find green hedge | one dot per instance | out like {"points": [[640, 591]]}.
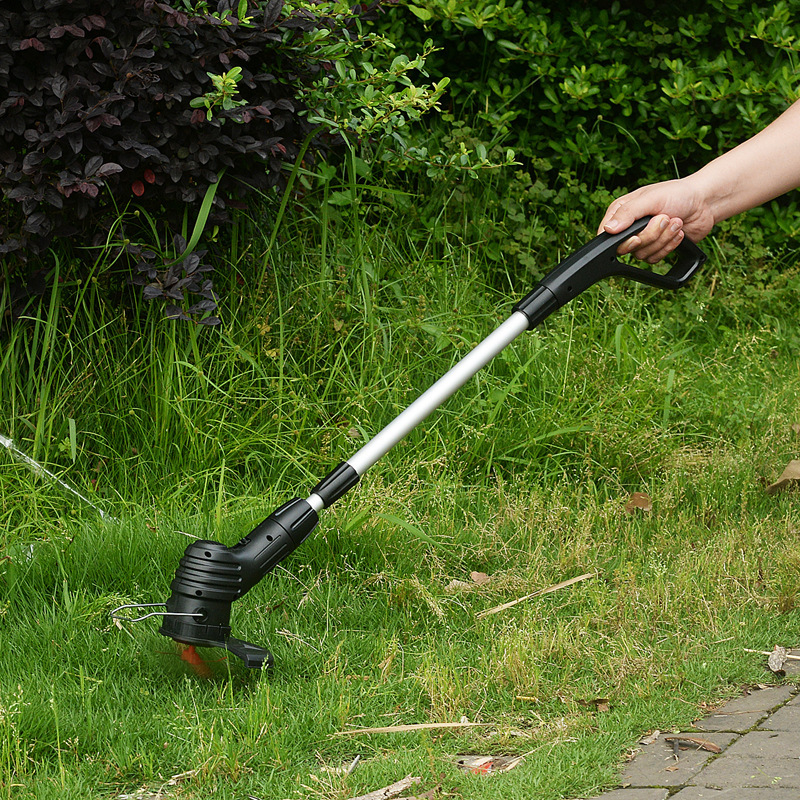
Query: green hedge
{"points": [[597, 98]]}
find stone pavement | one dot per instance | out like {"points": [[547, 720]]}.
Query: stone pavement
{"points": [[757, 737]]}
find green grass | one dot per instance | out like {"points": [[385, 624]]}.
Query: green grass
{"points": [[523, 475]]}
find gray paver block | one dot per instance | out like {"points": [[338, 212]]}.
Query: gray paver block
{"points": [[792, 666], [742, 713], [758, 700], [635, 794], [740, 772], [767, 744], [702, 793], [656, 764], [730, 722], [784, 719]]}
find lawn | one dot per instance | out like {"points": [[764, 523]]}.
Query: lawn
{"points": [[519, 483]]}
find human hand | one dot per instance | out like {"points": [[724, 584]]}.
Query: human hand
{"points": [[677, 210]]}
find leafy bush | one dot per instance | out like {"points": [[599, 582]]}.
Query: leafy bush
{"points": [[98, 94], [106, 103], [598, 98]]}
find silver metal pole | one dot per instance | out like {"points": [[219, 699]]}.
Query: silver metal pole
{"points": [[447, 385]]}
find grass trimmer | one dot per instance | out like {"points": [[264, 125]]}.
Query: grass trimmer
{"points": [[211, 576]]}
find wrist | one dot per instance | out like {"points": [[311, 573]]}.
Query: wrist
{"points": [[710, 194]]}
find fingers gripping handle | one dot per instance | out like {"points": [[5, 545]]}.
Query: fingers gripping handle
{"points": [[597, 260]]}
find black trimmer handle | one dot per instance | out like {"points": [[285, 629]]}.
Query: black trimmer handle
{"points": [[689, 259], [597, 260]]}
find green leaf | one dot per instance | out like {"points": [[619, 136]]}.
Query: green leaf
{"points": [[422, 13], [202, 215], [341, 198], [73, 439]]}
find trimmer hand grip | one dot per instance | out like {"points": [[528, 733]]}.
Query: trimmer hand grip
{"points": [[597, 260], [689, 259]]}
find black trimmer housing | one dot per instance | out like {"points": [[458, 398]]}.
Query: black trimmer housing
{"points": [[211, 576]]}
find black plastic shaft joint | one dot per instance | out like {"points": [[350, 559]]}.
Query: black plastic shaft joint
{"points": [[336, 483], [537, 305]]}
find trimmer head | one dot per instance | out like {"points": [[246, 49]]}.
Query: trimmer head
{"points": [[198, 612], [211, 576]]}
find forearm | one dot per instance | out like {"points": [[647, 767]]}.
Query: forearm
{"points": [[758, 170]]}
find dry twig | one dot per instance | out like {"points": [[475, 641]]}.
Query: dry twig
{"points": [[389, 791], [693, 741], [789, 656], [422, 726], [554, 588]]}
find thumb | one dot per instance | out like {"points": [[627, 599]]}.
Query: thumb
{"points": [[618, 217]]}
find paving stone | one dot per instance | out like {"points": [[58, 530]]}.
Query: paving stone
{"points": [[656, 764], [792, 666], [730, 722], [767, 744], [761, 761], [702, 793], [784, 719], [742, 713], [740, 772], [758, 700], [636, 794]]}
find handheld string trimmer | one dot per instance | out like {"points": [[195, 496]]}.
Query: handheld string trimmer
{"points": [[211, 576]]}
